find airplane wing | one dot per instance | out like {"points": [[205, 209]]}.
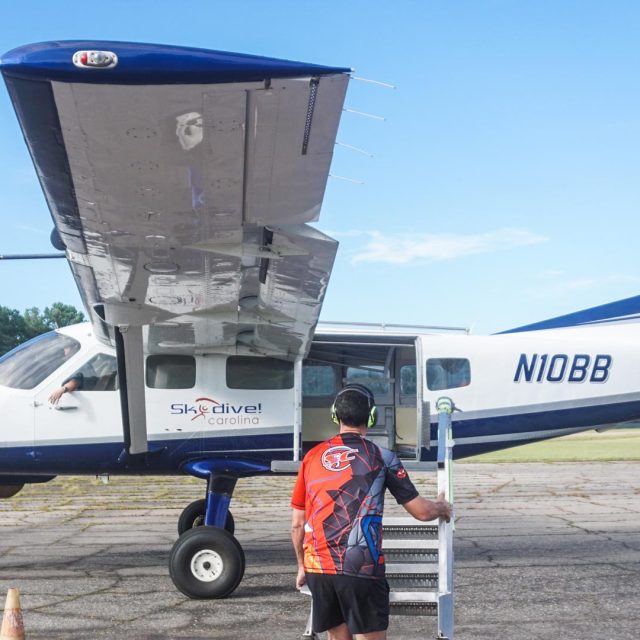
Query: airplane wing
{"points": [[180, 181]]}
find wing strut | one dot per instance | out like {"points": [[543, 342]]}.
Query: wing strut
{"points": [[130, 358]]}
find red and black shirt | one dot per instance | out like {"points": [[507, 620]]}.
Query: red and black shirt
{"points": [[341, 487]]}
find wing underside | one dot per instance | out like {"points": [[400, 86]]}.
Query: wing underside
{"points": [[184, 207]]}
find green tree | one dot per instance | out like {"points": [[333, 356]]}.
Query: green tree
{"points": [[16, 328], [34, 322], [61, 315], [13, 329]]}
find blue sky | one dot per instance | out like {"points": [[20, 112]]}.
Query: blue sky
{"points": [[504, 184]]}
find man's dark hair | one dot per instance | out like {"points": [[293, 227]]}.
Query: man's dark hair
{"points": [[352, 408]]}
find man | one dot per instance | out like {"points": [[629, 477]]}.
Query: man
{"points": [[336, 529]]}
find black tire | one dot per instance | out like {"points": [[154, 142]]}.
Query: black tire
{"points": [[193, 516], [206, 562]]}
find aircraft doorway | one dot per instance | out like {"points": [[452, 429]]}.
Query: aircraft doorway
{"points": [[383, 362]]}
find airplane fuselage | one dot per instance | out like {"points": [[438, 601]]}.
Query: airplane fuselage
{"points": [[509, 389]]}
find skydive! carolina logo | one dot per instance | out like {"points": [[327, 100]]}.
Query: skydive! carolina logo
{"points": [[219, 413], [338, 458]]}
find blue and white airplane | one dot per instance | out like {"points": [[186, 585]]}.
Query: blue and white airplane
{"points": [[181, 183]]}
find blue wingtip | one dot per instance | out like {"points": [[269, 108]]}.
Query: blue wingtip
{"points": [[140, 63]]}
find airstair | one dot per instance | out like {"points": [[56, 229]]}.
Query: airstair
{"points": [[419, 555]]}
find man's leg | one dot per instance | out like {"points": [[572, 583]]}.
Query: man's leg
{"points": [[342, 632]]}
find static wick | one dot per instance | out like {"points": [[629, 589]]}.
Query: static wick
{"points": [[366, 115], [378, 82], [358, 149], [331, 175]]}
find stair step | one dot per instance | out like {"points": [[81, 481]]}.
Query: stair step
{"points": [[403, 522], [411, 557], [422, 597], [415, 545], [410, 532], [414, 603], [416, 582], [413, 568]]}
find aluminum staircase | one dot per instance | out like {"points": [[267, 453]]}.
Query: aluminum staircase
{"points": [[419, 555]]}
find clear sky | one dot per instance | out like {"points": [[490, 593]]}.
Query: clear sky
{"points": [[504, 187]]}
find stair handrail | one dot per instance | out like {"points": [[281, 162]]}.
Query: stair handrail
{"points": [[445, 407]]}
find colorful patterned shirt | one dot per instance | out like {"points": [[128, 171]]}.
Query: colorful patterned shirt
{"points": [[341, 486]]}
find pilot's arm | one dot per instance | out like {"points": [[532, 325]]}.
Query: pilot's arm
{"points": [[69, 385]]}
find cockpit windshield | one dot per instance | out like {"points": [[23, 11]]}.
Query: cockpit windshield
{"points": [[26, 366]]}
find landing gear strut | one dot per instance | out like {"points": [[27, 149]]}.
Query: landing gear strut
{"points": [[207, 561]]}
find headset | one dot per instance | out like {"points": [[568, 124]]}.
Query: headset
{"points": [[362, 390]]}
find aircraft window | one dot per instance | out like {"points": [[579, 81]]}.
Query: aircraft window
{"points": [[252, 372], [26, 366], [448, 373], [373, 378], [408, 380], [318, 380], [171, 372], [99, 374]]}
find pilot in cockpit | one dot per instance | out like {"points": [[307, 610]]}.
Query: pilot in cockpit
{"points": [[72, 383]]}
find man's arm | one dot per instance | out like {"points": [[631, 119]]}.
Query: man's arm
{"points": [[297, 538], [70, 385], [425, 510]]}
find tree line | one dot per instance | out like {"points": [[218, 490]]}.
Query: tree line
{"points": [[16, 327]]}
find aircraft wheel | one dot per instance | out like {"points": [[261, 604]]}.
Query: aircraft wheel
{"points": [[206, 562], [193, 516]]}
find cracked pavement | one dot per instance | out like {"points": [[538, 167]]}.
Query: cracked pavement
{"points": [[541, 550]]}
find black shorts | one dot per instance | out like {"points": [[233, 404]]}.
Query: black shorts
{"points": [[363, 603]]}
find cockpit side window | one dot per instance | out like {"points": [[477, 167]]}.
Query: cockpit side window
{"points": [[98, 374], [26, 366], [256, 372], [168, 371]]}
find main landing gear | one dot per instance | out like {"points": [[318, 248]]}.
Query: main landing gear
{"points": [[207, 561]]}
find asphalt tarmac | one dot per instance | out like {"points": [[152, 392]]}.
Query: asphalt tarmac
{"points": [[542, 551]]}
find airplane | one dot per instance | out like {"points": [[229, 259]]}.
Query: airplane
{"points": [[181, 184]]}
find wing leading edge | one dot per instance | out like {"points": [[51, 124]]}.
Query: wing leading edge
{"points": [[181, 182]]}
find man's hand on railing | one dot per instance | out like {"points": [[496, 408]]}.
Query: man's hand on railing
{"points": [[445, 508], [425, 510]]}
